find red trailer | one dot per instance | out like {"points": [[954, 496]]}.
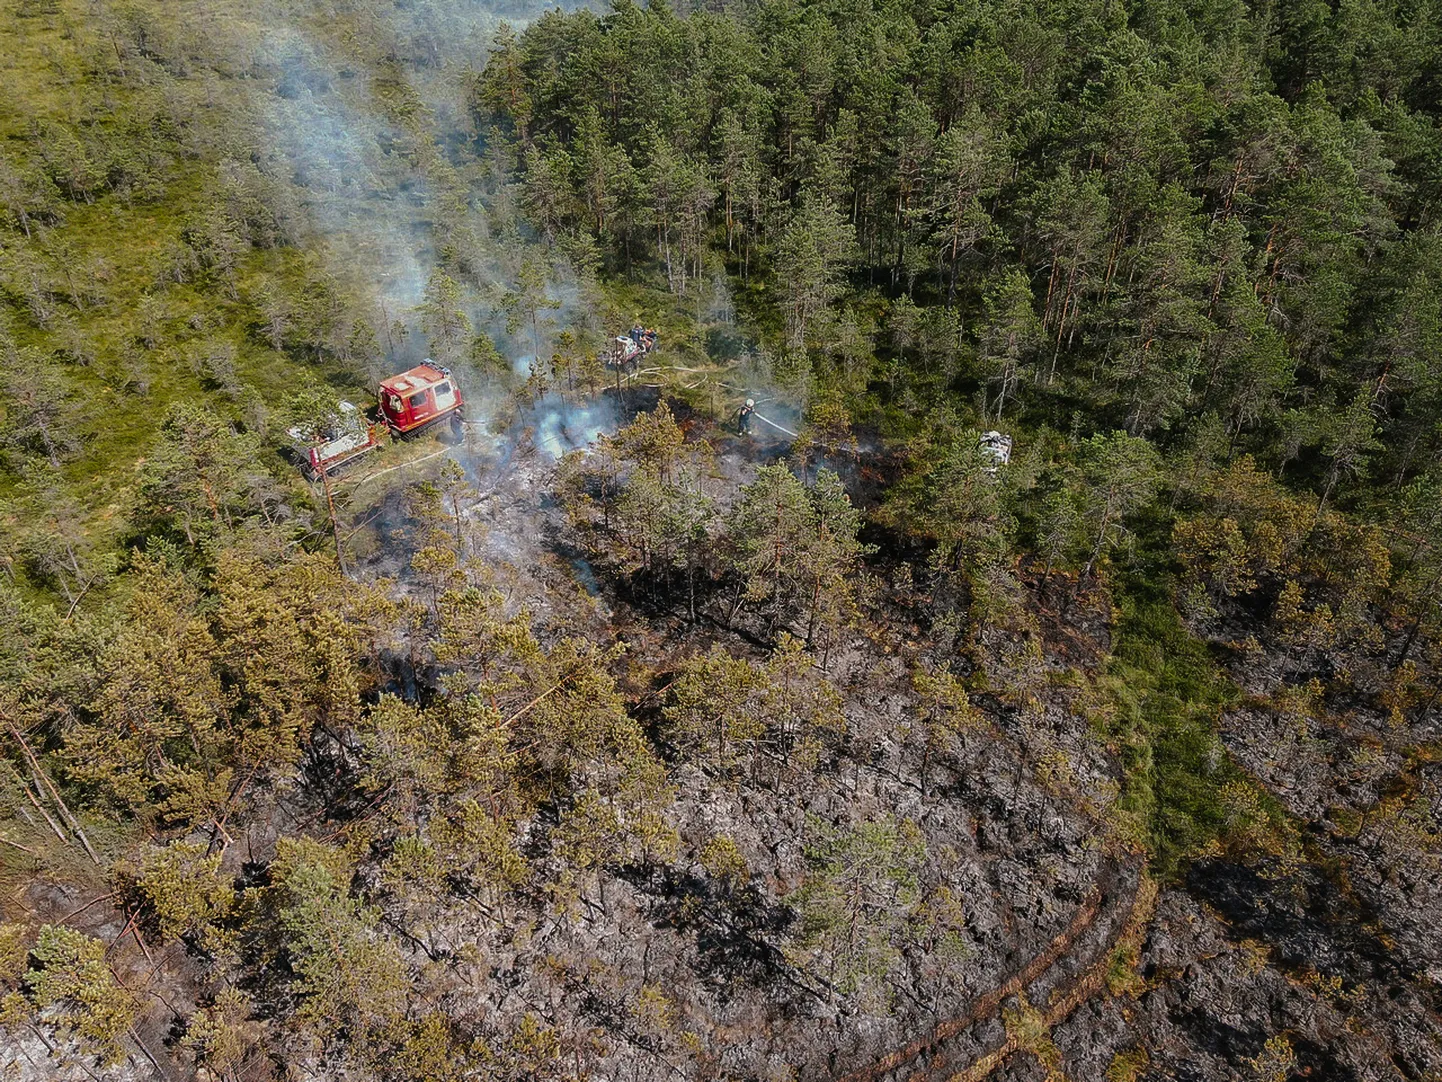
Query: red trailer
{"points": [[341, 440], [419, 398]]}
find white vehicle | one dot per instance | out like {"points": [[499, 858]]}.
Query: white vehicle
{"points": [[996, 448]]}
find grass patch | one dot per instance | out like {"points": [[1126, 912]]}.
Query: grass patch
{"points": [[1167, 693]]}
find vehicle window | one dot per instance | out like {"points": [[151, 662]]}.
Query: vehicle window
{"points": [[395, 404], [418, 400], [442, 388]]}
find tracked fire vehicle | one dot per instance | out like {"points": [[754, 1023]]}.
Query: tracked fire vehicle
{"points": [[419, 399], [406, 404]]}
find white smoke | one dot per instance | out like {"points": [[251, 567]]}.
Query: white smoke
{"points": [[371, 132], [561, 427]]}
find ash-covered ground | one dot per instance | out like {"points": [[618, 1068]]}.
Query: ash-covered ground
{"points": [[1058, 955], [1026, 860], [1072, 962]]}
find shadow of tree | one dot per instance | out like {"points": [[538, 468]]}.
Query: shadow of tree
{"points": [[733, 928]]}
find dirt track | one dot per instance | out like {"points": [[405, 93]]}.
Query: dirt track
{"points": [[1116, 907]]}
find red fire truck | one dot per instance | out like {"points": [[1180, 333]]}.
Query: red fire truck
{"points": [[419, 398]]}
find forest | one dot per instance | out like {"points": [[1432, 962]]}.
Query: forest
{"points": [[736, 712]]}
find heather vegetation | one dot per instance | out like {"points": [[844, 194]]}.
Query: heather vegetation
{"points": [[621, 734]]}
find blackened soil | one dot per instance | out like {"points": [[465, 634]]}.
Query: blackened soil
{"points": [[1303, 916]]}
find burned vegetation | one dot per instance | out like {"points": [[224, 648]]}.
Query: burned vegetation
{"points": [[786, 540], [655, 760], [713, 805]]}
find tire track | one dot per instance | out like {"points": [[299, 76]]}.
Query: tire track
{"points": [[1091, 981], [986, 1006]]}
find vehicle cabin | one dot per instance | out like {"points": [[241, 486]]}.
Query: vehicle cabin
{"points": [[419, 398]]}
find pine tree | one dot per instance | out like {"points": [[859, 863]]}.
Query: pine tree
{"points": [[1122, 473], [951, 496], [38, 411], [945, 714], [962, 173], [1348, 437], [815, 248], [711, 712], [345, 974], [73, 981], [832, 559], [769, 532], [181, 888], [446, 325], [525, 304], [159, 711], [202, 478], [1012, 333], [860, 887]]}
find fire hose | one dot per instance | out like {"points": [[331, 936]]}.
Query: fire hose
{"points": [[401, 466], [774, 425]]}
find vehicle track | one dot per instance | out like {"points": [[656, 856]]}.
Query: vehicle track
{"points": [[1123, 894], [1139, 908]]}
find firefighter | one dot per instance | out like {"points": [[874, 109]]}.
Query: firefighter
{"points": [[743, 418]]}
